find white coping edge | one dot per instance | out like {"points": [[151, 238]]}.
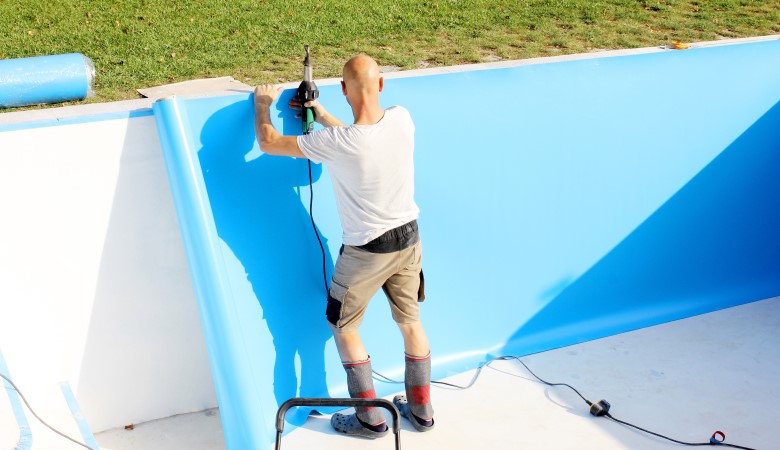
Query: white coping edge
{"points": [[18, 117]]}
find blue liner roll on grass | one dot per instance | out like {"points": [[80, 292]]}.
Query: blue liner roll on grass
{"points": [[45, 79]]}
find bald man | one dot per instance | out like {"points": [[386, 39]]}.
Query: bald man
{"points": [[372, 169]]}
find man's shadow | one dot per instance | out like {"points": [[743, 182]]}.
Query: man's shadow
{"points": [[259, 214]]}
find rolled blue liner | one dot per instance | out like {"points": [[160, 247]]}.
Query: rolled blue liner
{"points": [[246, 421], [45, 79]]}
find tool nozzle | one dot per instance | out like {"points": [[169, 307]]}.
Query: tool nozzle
{"points": [[307, 65]]}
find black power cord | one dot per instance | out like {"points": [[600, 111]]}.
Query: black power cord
{"points": [[316, 232], [601, 408], [36, 415], [598, 409]]}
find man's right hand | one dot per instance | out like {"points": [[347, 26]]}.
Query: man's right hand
{"points": [[321, 115], [295, 103]]}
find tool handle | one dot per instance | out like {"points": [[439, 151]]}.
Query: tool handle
{"points": [[307, 119]]}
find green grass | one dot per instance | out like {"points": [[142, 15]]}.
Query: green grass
{"points": [[143, 43]]}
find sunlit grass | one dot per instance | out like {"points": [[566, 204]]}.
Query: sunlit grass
{"points": [[143, 43]]}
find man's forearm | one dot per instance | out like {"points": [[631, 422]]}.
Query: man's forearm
{"points": [[269, 139], [327, 119], [265, 130]]}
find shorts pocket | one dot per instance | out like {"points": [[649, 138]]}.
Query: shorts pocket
{"points": [[336, 297], [421, 289]]}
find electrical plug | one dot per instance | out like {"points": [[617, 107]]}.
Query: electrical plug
{"points": [[600, 408]]}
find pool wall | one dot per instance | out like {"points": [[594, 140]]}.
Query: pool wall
{"points": [[560, 203], [94, 284], [563, 199]]}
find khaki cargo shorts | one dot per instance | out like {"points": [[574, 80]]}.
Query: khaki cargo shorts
{"points": [[358, 276]]}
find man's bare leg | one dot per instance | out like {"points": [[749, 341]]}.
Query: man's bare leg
{"points": [[350, 346], [415, 340]]}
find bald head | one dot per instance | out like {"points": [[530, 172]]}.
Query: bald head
{"points": [[361, 73], [361, 85]]}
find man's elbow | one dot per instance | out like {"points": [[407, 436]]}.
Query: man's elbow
{"points": [[269, 141], [268, 145], [280, 146]]}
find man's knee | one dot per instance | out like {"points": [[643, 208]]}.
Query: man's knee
{"points": [[411, 328], [346, 339], [415, 340]]}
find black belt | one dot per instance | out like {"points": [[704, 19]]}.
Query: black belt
{"points": [[394, 240]]}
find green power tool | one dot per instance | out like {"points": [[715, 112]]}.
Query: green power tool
{"points": [[307, 91]]}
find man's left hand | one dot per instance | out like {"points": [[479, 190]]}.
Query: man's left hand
{"points": [[266, 94]]}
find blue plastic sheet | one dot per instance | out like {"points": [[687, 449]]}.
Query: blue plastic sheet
{"points": [[45, 79], [602, 196]]}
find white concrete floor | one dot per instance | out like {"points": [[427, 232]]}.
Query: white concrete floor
{"points": [[686, 379]]}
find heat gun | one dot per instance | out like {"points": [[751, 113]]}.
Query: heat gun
{"points": [[307, 91]]}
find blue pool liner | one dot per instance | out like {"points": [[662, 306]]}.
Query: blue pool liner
{"points": [[606, 195]]}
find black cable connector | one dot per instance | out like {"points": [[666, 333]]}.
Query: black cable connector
{"points": [[600, 408]]}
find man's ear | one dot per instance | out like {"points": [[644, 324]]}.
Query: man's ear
{"points": [[381, 83], [343, 87]]}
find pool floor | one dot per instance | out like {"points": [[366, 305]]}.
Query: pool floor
{"points": [[685, 379]]}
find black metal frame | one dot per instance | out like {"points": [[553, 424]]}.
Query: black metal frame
{"points": [[345, 402]]}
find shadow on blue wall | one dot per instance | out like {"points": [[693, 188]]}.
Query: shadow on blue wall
{"points": [[715, 242], [259, 214]]}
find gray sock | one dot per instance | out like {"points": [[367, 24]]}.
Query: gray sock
{"points": [[361, 385], [418, 386]]}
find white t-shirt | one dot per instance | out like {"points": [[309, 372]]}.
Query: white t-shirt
{"points": [[372, 169]]}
